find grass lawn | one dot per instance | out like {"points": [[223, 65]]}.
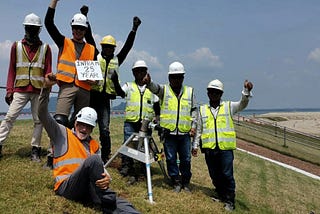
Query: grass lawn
{"points": [[262, 187]]}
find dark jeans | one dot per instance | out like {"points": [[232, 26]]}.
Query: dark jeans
{"points": [[220, 166], [80, 186], [101, 103], [181, 145]]}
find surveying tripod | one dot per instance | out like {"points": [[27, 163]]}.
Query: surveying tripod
{"points": [[146, 151]]}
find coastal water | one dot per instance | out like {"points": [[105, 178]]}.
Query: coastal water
{"points": [[246, 112], [249, 112]]}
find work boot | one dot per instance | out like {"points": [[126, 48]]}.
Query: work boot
{"points": [[124, 171], [49, 163], [177, 188], [35, 154], [186, 187], [229, 206], [1, 151]]}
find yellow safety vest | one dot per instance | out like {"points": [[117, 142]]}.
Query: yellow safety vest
{"points": [[138, 106], [176, 113], [113, 65], [30, 72], [219, 130]]}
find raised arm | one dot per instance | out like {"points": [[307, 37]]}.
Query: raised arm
{"points": [[53, 31], [130, 40]]}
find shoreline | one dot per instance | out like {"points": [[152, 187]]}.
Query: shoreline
{"points": [[307, 122]]}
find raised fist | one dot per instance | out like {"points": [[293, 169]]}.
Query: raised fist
{"points": [[136, 23], [248, 85], [84, 10]]}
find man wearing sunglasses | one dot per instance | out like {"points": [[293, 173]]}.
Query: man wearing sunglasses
{"points": [[72, 91]]}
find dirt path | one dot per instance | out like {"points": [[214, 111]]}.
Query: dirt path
{"points": [[308, 167]]}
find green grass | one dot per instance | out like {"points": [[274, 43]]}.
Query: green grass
{"points": [[272, 137], [262, 187]]}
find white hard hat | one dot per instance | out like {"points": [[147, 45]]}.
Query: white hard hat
{"points": [[216, 84], [87, 115], [32, 19], [79, 19], [139, 64], [176, 68]]}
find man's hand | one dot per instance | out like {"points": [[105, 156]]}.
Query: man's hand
{"points": [[49, 80], [8, 98], [192, 132], [84, 10], [248, 85], [194, 152], [147, 79], [104, 182], [136, 23]]}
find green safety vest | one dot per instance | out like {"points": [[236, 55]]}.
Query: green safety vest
{"points": [[113, 65], [219, 130], [138, 106], [30, 71], [176, 113]]}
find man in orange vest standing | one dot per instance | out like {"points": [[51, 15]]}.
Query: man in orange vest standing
{"points": [[30, 60], [72, 91], [78, 169]]}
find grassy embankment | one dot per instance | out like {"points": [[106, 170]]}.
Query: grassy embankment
{"points": [[262, 187]]}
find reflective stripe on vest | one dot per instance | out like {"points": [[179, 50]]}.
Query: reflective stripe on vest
{"points": [[113, 65], [176, 112], [138, 106], [226, 134], [66, 63], [29, 71], [66, 164]]}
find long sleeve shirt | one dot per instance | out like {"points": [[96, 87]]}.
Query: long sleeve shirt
{"points": [[31, 50], [235, 107], [56, 132], [55, 34], [159, 91]]}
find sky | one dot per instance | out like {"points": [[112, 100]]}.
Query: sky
{"points": [[274, 44]]}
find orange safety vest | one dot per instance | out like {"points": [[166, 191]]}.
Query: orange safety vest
{"points": [[66, 63], [66, 164]]}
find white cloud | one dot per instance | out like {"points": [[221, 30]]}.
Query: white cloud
{"points": [[204, 56], [5, 48], [173, 55], [134, 55], [315, 55]]}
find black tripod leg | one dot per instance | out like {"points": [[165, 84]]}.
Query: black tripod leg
{"points": [[158, 157]]}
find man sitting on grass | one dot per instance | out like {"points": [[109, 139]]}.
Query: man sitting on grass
{"points": [[77, 165]]}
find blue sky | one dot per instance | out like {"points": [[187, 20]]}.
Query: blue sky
{"points": [[275, 44]]}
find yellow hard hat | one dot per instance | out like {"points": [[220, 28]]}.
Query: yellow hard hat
{"points": [[108, 40]]}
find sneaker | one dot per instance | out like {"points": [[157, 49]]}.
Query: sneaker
{"points": [[35, 154], [216, 197], [229, 206], [49, 164], [177, 188], [132, 180], [124, 171], [186, 188]]}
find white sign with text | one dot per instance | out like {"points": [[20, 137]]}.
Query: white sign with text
{"points": [[88, 70]]}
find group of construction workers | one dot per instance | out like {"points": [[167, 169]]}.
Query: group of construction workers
{"points": [[77, 160]]}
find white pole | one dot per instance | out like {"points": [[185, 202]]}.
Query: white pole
{"points": [[147, 160]]}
